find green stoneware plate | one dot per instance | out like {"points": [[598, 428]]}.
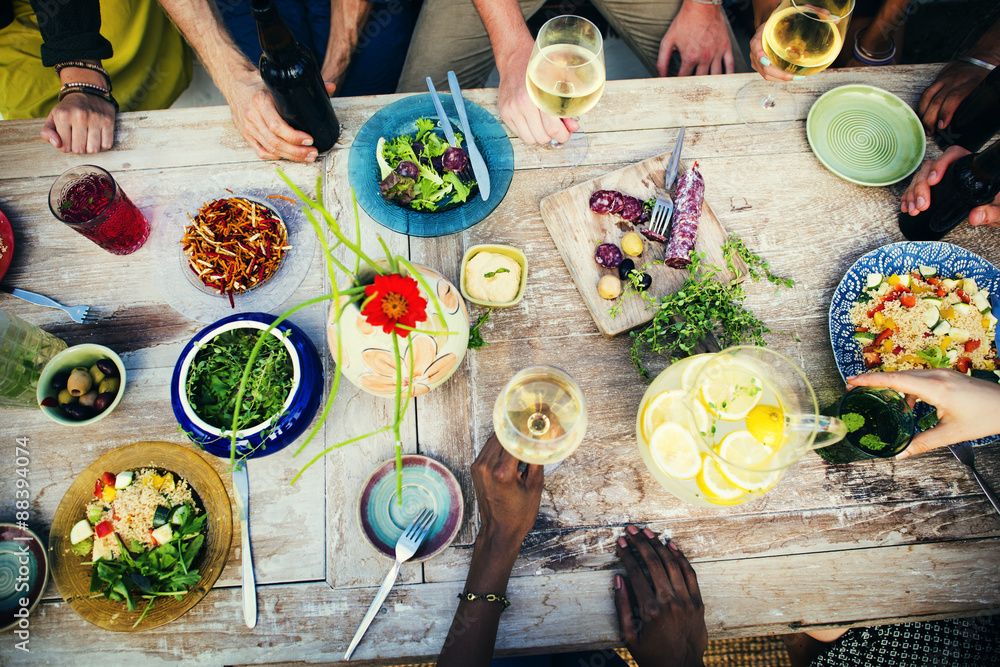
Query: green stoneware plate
{"points": [[865, 135]]}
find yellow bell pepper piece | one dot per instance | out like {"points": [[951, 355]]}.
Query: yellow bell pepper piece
{"points": [[108, 494], [893, 279], [887, 345], [889, 323], [945, 342], [948, 313], [879, 319]]}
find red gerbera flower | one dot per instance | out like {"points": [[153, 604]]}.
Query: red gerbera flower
{"points": [[397, 301]]}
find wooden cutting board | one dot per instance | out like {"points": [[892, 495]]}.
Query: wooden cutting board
{"points": [[576, 231]]}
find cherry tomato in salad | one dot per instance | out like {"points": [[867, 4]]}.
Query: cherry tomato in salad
{"points": [[108, 478], [872, 359], [881, 337], [963, 296], [98, 488], [908, 300], [103, 528], [972, 345], [941, 292], [963, 365]]}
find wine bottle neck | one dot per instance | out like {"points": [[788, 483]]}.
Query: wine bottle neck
{"points": [[986, 164], [276, 40]]}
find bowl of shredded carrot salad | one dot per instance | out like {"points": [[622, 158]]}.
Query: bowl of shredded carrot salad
{"points": [[235, 244]]}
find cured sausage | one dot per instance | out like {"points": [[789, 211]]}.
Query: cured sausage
{"points": [[602, 201], [631, 208], [687, 213]]}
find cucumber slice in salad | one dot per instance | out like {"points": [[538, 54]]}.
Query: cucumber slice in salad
{"points": [[873, 280], [927, 271]]}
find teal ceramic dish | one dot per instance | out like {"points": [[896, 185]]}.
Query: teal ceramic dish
{"points": [[86, 355], [426, 483], [866, 135], [24, 570]]}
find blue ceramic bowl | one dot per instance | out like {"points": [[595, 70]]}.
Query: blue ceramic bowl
{"points": [[265, 438]]}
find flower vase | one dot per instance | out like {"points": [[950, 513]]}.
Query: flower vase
{"points": [[367, 353]]}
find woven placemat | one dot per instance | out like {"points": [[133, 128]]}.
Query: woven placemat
{"points": [[739, 652]]}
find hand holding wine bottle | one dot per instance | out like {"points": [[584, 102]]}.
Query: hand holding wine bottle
{"points": [[917, 199]]}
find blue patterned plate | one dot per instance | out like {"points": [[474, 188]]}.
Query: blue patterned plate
{"points": [[896, 258], [400, 118], [426, 483]]}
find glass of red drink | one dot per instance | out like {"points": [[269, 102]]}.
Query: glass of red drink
{"points": [[89, 200]]}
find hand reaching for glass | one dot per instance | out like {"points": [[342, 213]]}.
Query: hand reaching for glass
{"points": [[917, 197], [661, 615], [966, 407]]}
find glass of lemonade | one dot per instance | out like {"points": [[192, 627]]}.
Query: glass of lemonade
{"points": [[539, 416], [565, 76], [721, 429], [880, 424], [800, 37]]}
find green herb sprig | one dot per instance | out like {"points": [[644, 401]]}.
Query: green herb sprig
{"points": [[702, 306], [498, 271], [476, 341], [164, 571]]}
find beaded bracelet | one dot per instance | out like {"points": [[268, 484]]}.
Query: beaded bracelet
{"points": [[977, 62], [489, 597], [88, 89], [869, 58], [85, 65]]}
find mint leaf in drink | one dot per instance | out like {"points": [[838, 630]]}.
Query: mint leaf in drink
{"points": [[853, 420], [873, 442], [928, 421]]}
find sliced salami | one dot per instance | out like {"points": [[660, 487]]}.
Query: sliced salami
{"points": [[603, 201], [653, 236], [687, 214], [631, 209], [618, 202]]}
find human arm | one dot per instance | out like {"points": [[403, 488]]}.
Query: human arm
{"points": [[508, 505], [917, 197], [876, 37], [700, 35], [661, 615], [512, 44], [347, 19], [953, 84], [250, 102], [967, 407], [762, 10]]}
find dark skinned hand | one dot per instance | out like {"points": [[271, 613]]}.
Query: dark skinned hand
{"points": [[661, 615], [953, 84], [508, 498]]}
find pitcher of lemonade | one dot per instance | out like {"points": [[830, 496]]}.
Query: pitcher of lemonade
{"points": [[721, 429]]}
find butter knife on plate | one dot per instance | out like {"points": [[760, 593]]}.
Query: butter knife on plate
{"points": [[475, 159], [241, 489]]}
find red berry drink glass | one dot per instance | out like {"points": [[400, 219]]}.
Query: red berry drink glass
{"points": [[89, 200]]}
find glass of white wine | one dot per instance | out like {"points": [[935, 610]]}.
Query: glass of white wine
{"points": [[539, 416], [565, 76], [800, 37]]}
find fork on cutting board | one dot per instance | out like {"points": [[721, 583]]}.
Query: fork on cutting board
{"points": [[406, 547]]}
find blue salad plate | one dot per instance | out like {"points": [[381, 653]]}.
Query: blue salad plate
{"points": [[400, 118], [950, 260]]}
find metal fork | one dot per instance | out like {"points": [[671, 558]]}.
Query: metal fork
{"points": [[963, 452], [465, 174], [406, 547], [79, 314], [663, 209]]}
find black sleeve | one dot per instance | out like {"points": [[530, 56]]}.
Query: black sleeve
{"points": [[71, 31]]}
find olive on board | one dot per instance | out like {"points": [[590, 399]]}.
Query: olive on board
{"points": [[625, 267], [645, 280], [78, 412], [59, 381], [65, 397], [103, 401], [108, 368], [79, 382], [609, 287]]}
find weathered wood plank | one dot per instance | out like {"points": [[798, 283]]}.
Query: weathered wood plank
{"points": [[312, 623]]}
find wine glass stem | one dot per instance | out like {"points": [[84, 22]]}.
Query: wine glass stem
{"points": [[770, 100]]}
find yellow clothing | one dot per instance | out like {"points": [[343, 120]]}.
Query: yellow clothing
{"points": [[150, 68]]}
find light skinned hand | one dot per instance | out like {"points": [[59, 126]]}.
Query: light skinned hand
{"points": [[661, 615], [257, 119], [762, 64], [917, 197], [81, 123], [517, 109], [699, 34], [508, 498], [953, 84], [968, 408]]}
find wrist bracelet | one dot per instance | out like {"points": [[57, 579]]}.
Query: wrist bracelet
{"points": [[489, 597], [88, 89], [85, 65], [708, 2], [872, 61], [869, 58], [977, 62]]}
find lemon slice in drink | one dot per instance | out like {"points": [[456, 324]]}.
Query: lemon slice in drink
{"points": [[716, 487], [767, 424], [742, 449], [674, 451], [693, 367], [672, 406], [731, 393]]}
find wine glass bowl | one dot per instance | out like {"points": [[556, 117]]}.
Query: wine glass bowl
{"points": [[539, 416]]}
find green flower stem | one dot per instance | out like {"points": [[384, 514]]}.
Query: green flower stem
{"points": [[416, 274], [395, 423], [426, 331], [338, 446], [357, 231], [393, 265]]}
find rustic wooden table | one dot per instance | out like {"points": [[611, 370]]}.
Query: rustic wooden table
{"points": [[829, 547]]}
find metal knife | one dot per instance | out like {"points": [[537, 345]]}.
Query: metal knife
{"points": [[478, 164], [995, 302], [241, 489], [675, 161], [449, 134]]}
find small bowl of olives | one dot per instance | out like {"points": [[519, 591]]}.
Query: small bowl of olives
{"points": [[81, 385]]}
